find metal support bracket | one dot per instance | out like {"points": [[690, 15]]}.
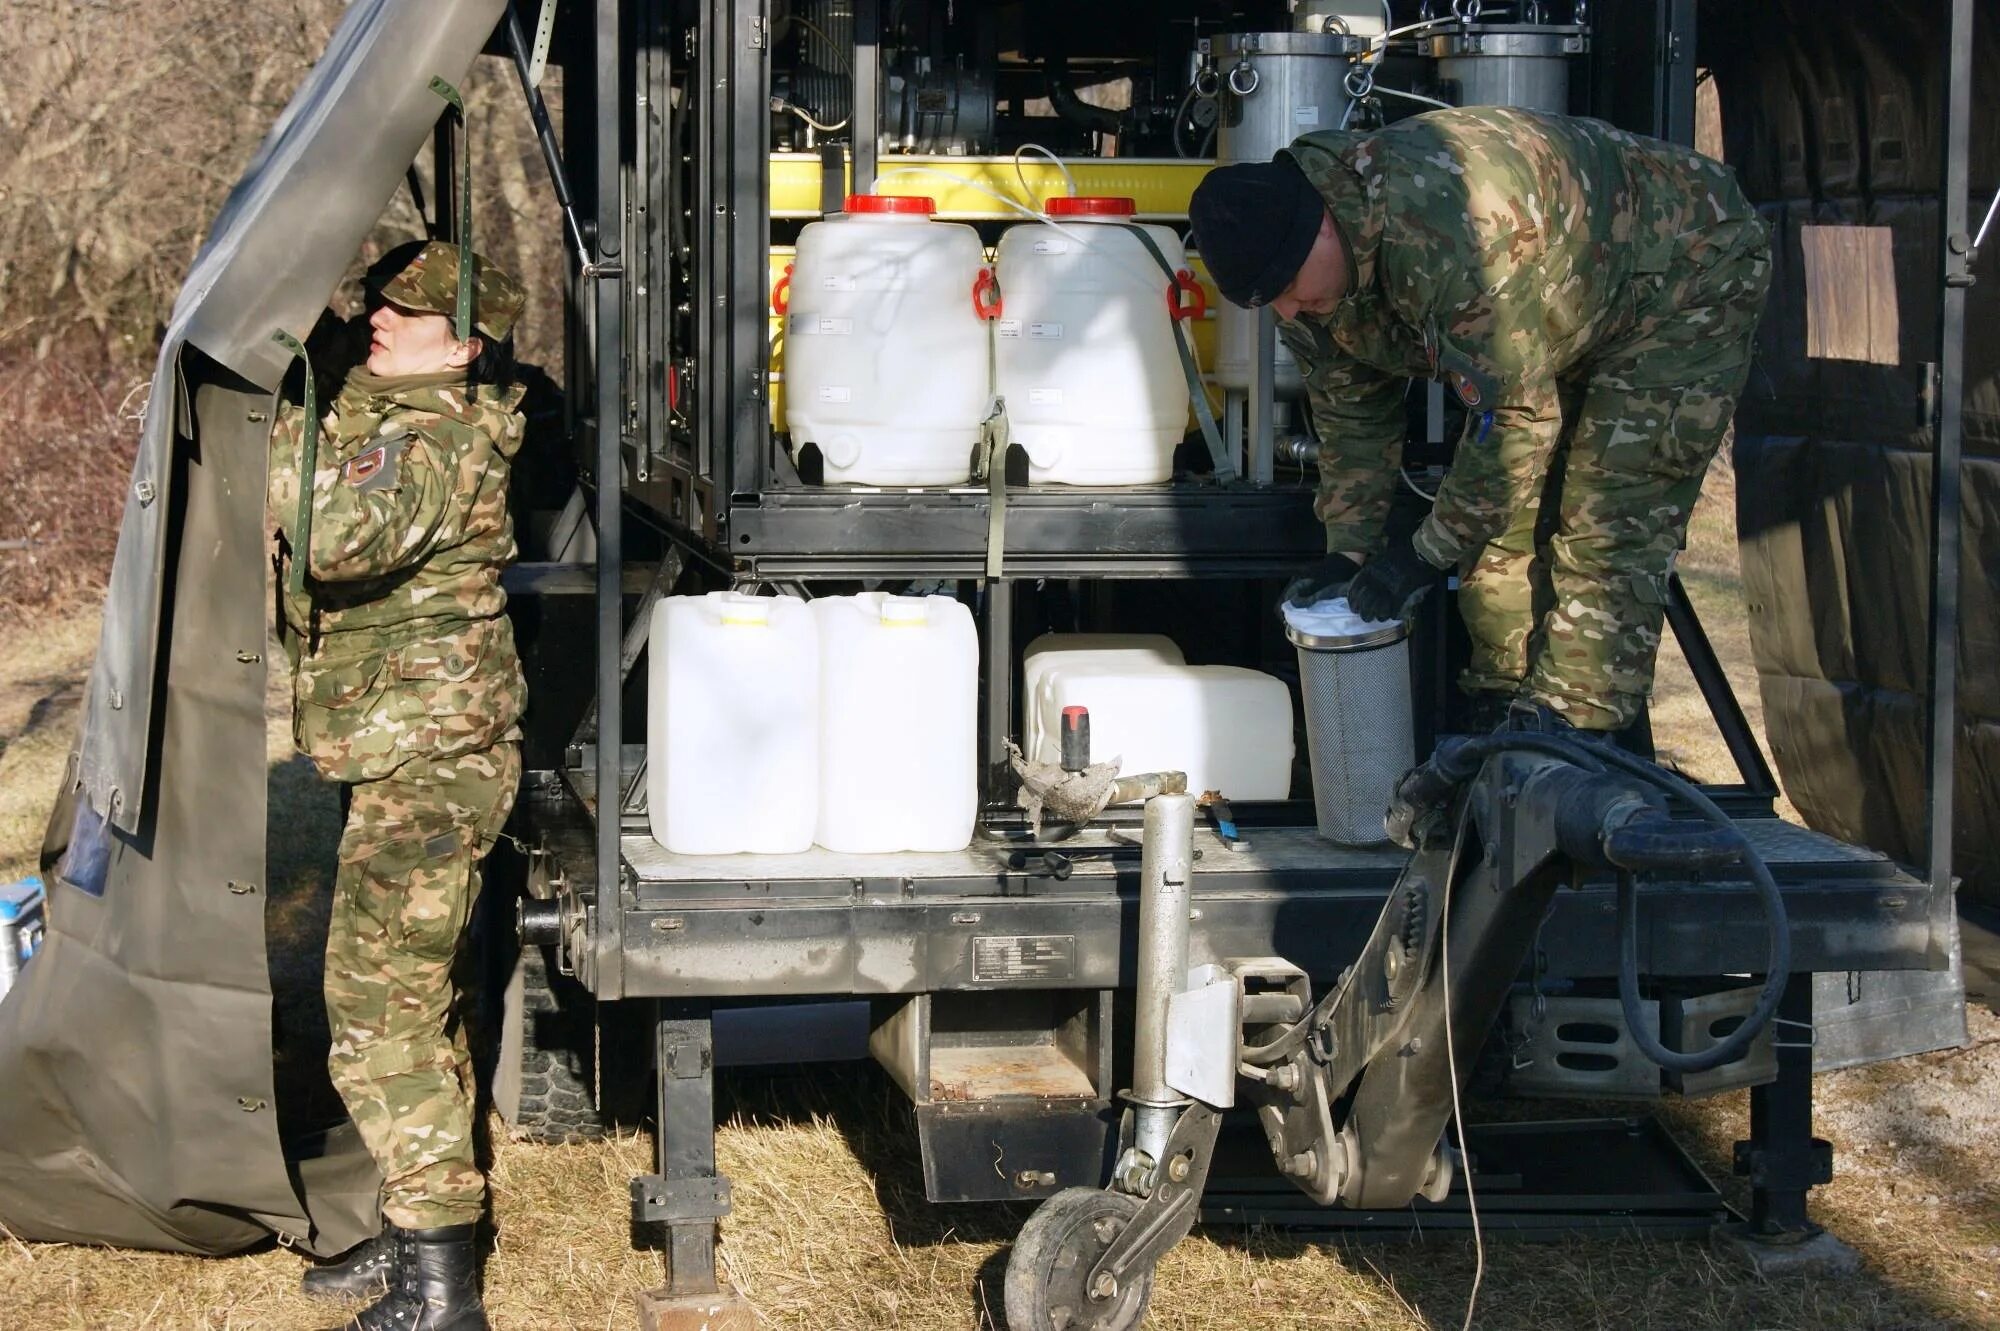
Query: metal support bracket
{"points": [[665, 1201]]}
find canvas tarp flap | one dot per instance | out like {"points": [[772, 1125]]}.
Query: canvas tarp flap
{"points": [[1832, 114], [282, 240], [136, 1080]]}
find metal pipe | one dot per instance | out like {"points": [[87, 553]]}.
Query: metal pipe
{"points": [[865, 129], [1166, 876], [1261, 464], [607, 359], [1947, 441]]}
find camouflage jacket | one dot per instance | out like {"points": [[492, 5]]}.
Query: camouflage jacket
{"points": [[399, 641], [1498, 250]]}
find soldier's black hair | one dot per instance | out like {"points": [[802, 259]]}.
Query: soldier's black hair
{"points": [[494, 364]]}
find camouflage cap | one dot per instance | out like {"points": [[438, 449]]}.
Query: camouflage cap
{"points": [[429, 282]]}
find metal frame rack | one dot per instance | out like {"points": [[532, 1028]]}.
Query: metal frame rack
{"points": [[685, 432]]}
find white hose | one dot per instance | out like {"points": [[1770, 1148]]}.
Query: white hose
{"points": [[1027, 193]]}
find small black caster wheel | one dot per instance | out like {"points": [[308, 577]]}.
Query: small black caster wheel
{"points": [[1048, 1274]]}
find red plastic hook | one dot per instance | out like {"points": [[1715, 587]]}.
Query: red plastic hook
{"points": [[1184, 284], [781, 294], [983, 286]]}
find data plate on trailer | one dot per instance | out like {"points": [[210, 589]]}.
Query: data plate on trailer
{"points": [[1024, 957]]}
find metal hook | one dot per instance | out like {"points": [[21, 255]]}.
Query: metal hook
{"points": [[1244, 67]]}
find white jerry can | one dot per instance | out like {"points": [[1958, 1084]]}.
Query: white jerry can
{"points": [[899, 704], [886, 351], [1084, 350], [732, 724]]}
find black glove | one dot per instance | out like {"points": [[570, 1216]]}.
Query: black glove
{"points": [[1391, 578], [1323, 581]]}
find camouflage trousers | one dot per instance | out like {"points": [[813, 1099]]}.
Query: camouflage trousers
{"points": [[408, 877], [1565, 607]]}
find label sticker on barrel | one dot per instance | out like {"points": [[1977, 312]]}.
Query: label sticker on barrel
{"points": [[1052, 247], [845, 282], [1052, 396], [835, 393], [1044, 330], [1008, 328], [1028, 957], [807, 324], [1305, 117]]}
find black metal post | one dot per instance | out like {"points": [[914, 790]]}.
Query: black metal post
{"points": [[866, 129], [998, 658], [687, 1195], [1713, 682], [1955, 252], [608, 924], [1782, 1159]]}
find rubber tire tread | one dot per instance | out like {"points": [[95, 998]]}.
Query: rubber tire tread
{"points": [[557, 1104]]}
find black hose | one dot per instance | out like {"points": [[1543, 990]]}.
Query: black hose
{"points": [[1777, 970]]}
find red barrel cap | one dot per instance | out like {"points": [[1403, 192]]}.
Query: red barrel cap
{"points": [[1089, 205], [1072, 713], [915, 204]]}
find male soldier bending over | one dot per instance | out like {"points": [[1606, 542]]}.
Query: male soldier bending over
{"points": [[1579, 289]]}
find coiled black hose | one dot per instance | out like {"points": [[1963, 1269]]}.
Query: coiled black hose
{"points": [[1777, 969]]}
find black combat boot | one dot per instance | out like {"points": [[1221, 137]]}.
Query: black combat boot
{"points": [[436, 1286], [366, 1269]]}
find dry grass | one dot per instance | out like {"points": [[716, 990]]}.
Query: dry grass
{"points": [[831, 1231]]}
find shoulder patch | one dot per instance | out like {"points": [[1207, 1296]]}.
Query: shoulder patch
{"points": [[377, 467]]}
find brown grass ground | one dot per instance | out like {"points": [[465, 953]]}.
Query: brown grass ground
{"points": [[831, 1230]]}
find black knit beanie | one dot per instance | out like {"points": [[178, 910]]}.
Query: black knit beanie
{"points": [[1254, 224]]}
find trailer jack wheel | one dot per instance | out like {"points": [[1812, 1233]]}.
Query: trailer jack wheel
{"points": [[1049, 1272]]}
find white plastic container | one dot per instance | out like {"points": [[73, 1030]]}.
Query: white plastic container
{"points": [[886, 354], [1228, 728], [732, 729], [1084, 349], [899, 703], [1071, 651]]}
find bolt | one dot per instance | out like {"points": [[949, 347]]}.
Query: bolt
{"points": [[1284, 1077], [1177, 1169], [1104, 1287], [1301, 1165]]}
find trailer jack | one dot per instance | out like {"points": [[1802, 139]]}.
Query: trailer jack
{"points": [[1354, 1092]]}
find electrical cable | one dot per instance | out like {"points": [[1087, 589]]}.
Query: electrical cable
{"points": [[802, 114], [1451, 1063]]}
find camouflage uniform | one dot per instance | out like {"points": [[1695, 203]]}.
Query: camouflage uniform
{"points": [[406, 686], [1585, 292]]}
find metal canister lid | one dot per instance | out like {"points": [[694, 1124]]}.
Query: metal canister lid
{"points": [[1332, 627], [1376, 635]]}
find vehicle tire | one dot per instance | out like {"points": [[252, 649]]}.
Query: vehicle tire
{"points": [[1047, 1272], [546, 1084]]}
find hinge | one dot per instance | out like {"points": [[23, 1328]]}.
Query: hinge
{"points": [[758, 34]]}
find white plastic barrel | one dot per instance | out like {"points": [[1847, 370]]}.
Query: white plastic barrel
{"points": [[1227, 727], [886, 354], [732, 726], [899, 702], [1069, 651], [1084, 349]]}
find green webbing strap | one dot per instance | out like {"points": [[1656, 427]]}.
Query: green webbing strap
{"points": [[463, 322], [1225, 466], [308, 464], [994, 452]]}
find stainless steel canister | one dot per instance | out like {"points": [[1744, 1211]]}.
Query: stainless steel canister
{"points": [[1358, 728]]}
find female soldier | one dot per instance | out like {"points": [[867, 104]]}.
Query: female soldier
{"points": [[407, 689]]}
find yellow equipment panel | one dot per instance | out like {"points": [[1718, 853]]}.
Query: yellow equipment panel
{"points": [[964, 186]]}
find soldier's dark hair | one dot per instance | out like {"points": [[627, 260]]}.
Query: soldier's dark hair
{"points": [[494, 364]]}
